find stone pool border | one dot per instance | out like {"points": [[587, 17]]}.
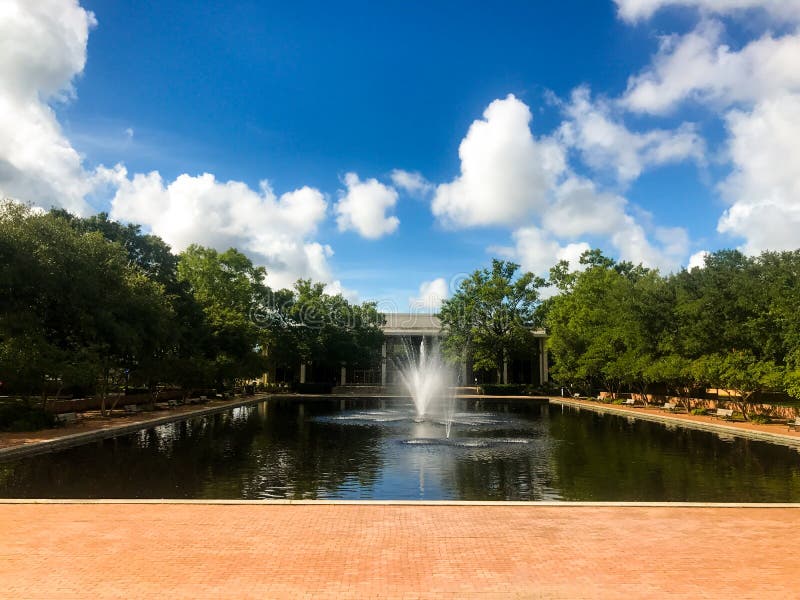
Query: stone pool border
{"points": [[441, 503], [637, 413]]}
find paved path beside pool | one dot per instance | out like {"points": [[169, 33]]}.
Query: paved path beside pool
{"points": [[395, 551]]}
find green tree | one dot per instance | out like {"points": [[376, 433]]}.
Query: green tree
{"points": [[491, 315], [74, 304], [742, 373], [228, 288], [605, 326], [308, 324]]}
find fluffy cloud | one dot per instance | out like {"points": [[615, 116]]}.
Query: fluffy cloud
{"points": [[431, 295], [698, 66], [635, 10], [363, 208], [42, 49], [412, 182], [759, 87], [537, 251], [764, 188], [697, 260], [506, 173], [580, 209], [632, 244], [274, 231], [510, 178], [606, 143]]}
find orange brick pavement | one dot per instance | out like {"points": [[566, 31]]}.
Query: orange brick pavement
{"points": [[371, 551]]}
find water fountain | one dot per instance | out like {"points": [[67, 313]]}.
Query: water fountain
{"points": [[427, 379]]}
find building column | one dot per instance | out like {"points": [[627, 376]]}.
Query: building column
{"points": [[302, 372], [344, 376], [383, 364], [505, 369], [544, 374]]}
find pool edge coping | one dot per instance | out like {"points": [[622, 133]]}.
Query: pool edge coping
{"points": [[441, 503]]}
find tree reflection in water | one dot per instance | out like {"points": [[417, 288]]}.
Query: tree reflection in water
{"points": [[360, 448]]}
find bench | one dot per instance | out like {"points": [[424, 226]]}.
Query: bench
{"points": [[629, 402], [794, 424], [131, 408], [66, 418], [172, 404], [669, 406], [726, 414]]}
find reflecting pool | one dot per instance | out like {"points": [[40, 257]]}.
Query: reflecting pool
{"points": [[379, 449]]}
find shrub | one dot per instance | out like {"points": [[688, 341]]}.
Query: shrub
{"points": [[699, 411], [504, 389], [23, 416], [313, 388], [759, 419]]}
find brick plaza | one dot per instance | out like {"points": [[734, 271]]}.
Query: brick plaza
{"points": [[325, 550]]}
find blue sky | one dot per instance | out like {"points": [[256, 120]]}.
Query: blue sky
{"points": [[406, 144]]}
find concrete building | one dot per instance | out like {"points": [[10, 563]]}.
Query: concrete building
{"points": [[405, 331]]}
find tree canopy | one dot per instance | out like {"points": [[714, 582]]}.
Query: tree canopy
{"points": [[492, 314], [94, 306], [731, 324]]}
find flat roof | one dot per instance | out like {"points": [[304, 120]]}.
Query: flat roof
{"points": [[412, 324], [398, 324]]}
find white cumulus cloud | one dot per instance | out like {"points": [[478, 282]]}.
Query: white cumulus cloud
{"points": [[431, 295], [536, 250], [764, 187], [274, 231], [756, 90], [363, 207], [606, 143], [580, 209], [636, 10], [697, 260], [698, 66], [506, 173], [411, 182], [42, 50]]}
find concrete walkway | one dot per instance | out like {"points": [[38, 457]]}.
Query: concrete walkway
{"points": [[396, 551]]}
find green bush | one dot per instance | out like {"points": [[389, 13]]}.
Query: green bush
{"points": [[618, 401], [313, 388], [504, 389], [759, 419], [699, 411], [24, 416]]}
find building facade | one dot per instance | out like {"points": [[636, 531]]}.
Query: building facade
{"points": [[404, 332]]}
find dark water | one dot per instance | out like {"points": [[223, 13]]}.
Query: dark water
{"points": [[359, 448]]}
